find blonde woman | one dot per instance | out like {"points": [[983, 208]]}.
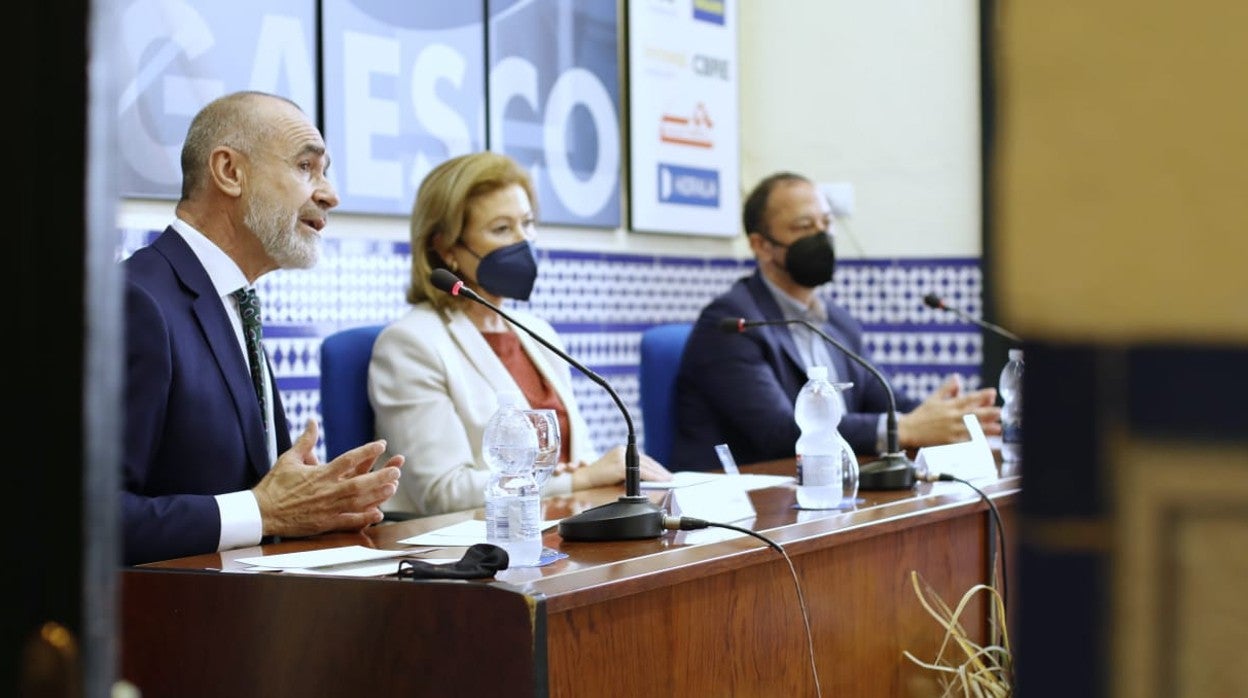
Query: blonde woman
{"points": [[436, 371]]}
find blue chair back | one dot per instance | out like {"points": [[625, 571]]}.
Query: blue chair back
{"points": [[346, 415], [661, 348]]}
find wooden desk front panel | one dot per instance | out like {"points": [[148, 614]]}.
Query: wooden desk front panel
{"points": [[741, 633], [651, 617], [210, 634]]}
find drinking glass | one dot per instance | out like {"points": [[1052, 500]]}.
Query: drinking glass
{"points": [[547, 425]]}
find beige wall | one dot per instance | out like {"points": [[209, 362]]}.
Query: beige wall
{"points": [[882, 94]]}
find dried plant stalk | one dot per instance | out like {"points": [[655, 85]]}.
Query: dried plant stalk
{"points": [[965, 667]]}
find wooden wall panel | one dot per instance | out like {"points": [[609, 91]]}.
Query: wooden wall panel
{"points": [[1120, 166]]}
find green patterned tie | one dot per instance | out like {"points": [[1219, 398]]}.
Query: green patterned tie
{"points": [[249, 308]]}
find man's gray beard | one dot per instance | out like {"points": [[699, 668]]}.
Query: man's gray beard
{"points": [[278, 233]]}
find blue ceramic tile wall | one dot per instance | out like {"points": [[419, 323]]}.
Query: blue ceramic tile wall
{"points": [[601, 302]]}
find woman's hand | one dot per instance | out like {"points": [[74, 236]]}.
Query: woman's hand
{"points": [[609, 470]]}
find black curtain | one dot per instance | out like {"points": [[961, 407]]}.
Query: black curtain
{"points": [[64, 361]]}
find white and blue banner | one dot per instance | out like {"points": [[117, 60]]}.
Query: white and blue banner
{"points": [[684, 129], [407, 84], [404, 91], [554, 104], [176, 56]]}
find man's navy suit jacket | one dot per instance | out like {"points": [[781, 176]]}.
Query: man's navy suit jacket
{"points": [[192, 420], [739, 389]]}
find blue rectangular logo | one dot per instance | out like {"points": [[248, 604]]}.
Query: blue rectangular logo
{"points": [[688, 185], [709, 11]]}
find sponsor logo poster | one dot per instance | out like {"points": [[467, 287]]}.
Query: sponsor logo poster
{"points": [[404, 91], [175, 56], [685, 155], [554, 98]]}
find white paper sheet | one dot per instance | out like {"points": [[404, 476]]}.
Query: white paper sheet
{"points": [[329, 557], [686, 478], [373, 568], [464, 533], [680, 478]]}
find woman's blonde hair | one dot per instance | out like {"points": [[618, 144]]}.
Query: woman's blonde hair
{"points": [[441, 211]]}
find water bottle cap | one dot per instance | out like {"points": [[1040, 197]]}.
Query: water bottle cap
{"points": [[1016, 355], [817, 373], [508, 398]]}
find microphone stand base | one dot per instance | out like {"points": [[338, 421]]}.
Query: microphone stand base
{"points": [[628, 518], [893, 471]]}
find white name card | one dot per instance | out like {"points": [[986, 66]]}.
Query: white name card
{"points": [[968, 460], [723, 500]]}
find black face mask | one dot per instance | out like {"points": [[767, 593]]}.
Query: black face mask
{"points": [[508, 271], [811, 260]]}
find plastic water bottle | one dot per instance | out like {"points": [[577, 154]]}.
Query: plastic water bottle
{"points": [[827, 471], [1011, 389], [513, 508]]}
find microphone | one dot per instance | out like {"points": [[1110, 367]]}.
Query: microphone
{"points": [[633, 516], [932, 300], [893, 470]]}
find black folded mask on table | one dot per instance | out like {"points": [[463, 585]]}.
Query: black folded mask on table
{"points": [[479, 562]]}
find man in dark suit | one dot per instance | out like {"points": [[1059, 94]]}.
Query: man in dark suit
{"points": [[740, 389], [201, 471]]}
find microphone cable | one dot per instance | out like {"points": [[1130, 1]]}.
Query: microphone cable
{"points": [[996, 547], [689, 523]]}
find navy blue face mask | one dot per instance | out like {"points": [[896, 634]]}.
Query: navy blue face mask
{"points": [[508, 271]]}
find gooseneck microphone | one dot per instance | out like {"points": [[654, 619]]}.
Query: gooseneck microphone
{"points": [[893, 470], [633, 516], [934, 301]]}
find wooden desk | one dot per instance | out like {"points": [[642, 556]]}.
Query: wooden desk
{"points": [[632, 618]]}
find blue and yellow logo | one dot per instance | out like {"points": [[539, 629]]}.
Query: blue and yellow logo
{"points": [[709, 11]]}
